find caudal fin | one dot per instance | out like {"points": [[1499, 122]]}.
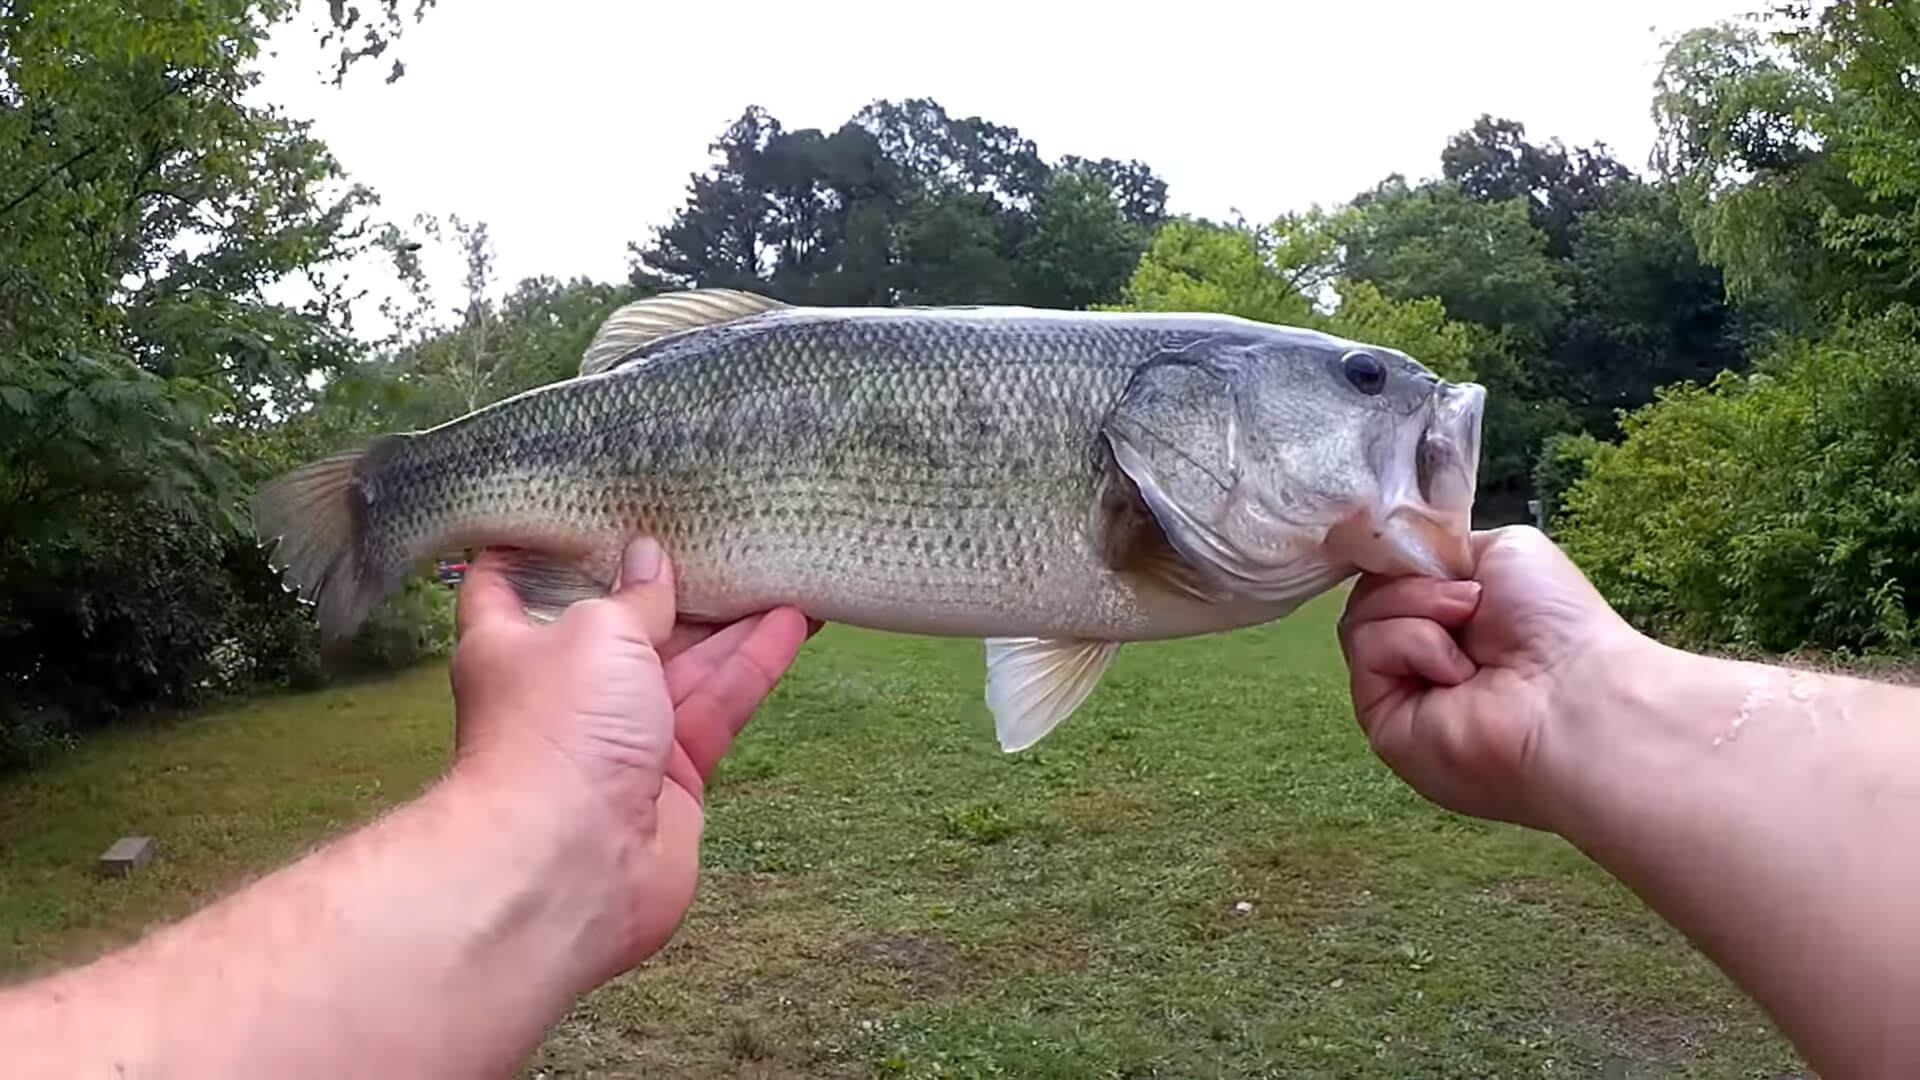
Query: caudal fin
{"points": [[313, 521]]}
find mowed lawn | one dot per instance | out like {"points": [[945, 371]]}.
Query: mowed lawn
{"points": [[889, 895]]}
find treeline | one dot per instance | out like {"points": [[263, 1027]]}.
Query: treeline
{"points": [[1778, 508], [1702, 372]]}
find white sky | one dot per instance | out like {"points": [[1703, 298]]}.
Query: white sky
{"points": [[573, 131]]}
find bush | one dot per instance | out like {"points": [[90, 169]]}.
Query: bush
{"points": [[1564, 461], [144, 609], [414, 623], [1773, 511]]}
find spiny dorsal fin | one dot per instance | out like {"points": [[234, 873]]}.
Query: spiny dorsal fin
{"points": [[645, 321]]}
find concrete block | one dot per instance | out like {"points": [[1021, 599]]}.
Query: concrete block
{"points": [[129, 853]]}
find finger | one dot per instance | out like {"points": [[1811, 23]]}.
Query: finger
{"points": [[694, 665], [644, 591], [1485, 540], [485, 596], [687, 634], [719, 706], [1384, 655], [1449, 603]]}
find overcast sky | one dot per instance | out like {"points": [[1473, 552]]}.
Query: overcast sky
{"points": [[573, 131]]}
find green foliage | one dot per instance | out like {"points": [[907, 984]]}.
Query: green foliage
{"points": [[146, 211], [1494, 163], [1796, 154], [904, 204], [1769, 511], [1197, 266], [1485, 261], [414, 623], [1082, 248], [1645, 311], [1565, 460]]}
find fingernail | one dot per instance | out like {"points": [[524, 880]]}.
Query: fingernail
{"points": [[1464, 591], [642, 561]]}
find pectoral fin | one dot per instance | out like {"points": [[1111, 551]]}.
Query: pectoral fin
{"points": [[547, 586], [1034, 683]]}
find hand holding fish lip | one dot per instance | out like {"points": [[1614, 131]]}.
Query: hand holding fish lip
{"points": [[605, 725], [1458, 684]]}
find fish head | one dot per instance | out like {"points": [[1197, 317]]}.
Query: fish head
{"points": [[1282, 460]]}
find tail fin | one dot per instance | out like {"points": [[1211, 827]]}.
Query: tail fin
{"points": [[314, 521]]}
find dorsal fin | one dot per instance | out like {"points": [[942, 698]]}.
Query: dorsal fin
{"points": [[645, 321]]}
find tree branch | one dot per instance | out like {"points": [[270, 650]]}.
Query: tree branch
{"points": [[85, 152]]}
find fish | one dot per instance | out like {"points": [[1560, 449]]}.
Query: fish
{"points": [[1055, 483]]}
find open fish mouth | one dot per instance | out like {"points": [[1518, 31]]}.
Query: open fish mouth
{"points": [[1423, 524], [1447, 462]]}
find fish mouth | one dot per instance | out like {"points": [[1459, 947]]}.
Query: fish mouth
{"points": [[1423, 523]]}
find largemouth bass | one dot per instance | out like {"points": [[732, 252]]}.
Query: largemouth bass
{"points": [[1056, 483]]}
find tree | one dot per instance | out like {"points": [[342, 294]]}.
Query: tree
{"points": [[1768, 511], [1485, 261], [1792, 154], [146, 209], [904, 204], [1493, 162], [1082, 247], [1644, 311]]}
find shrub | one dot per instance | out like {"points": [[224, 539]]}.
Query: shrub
{"points": [[144, 609], [1771, 511]]}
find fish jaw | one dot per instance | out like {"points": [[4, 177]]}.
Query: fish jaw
{"points": [[1422, 522]]}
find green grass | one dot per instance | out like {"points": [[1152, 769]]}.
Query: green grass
{"points": [[887, 895]]}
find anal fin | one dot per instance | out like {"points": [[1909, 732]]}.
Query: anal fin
{"points": [[548, 586], [1034, 683]]}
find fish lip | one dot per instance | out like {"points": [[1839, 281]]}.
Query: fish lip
{"points": [[1448, 453], [1422, 523]]}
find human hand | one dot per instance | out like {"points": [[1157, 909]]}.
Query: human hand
{"points": [[1461, 685], [605, 724]]}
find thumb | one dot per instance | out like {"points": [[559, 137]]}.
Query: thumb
{"points": [[644, 589]]}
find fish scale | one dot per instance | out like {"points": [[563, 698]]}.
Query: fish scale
{"points": [[1039, 479]]}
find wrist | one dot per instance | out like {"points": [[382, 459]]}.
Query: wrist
{"points": [[1625, 715], [557, 867]]}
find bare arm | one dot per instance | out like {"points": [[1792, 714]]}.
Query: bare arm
{"points": [[1771, 816], [440, 941], [1774, 818]]}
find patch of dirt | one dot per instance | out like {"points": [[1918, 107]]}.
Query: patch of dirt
{"points": [[1102, 807], [1637, 1043], [922, 965]]}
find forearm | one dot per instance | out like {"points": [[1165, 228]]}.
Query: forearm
{"points": [[1771, 816], [431, 943]]}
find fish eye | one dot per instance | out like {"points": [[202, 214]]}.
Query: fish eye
{"points": [[1365, 371]]}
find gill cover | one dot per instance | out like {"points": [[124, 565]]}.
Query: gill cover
{"points": [[1180, 434]]}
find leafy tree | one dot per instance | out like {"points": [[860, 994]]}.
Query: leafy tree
{"points": [[146, 209], [1485, 261], [1493, 162], [904, 204], [1198, 266], [1083, 247], [1793, 156], [1644, 312]]}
